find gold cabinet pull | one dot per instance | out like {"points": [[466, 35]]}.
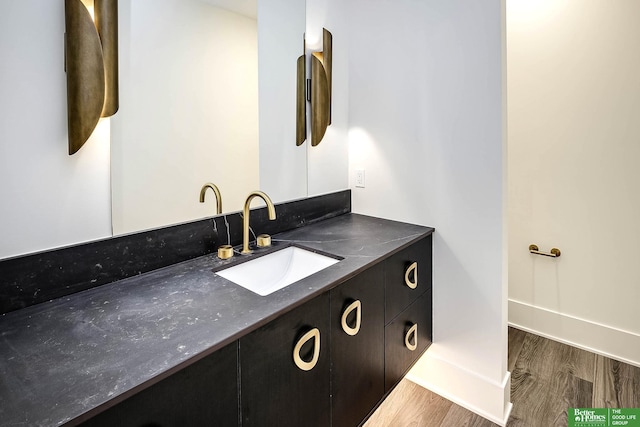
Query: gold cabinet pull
{"points": [[407, 338], [413, 267], [356, 305], [307, 366]]}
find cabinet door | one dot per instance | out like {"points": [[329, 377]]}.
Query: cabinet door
{"points": [[407, 276], [357, 347], [406, 338], [205, 393], [277, 387]]}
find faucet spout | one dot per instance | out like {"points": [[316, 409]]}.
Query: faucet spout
{"points": [[216, 191], [245, 217]]}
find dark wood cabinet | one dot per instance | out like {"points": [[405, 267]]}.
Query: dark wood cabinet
{"points": [[357, 347], [407, 276], [277, 387], [406, 338], [203, 394], [328, 362]]}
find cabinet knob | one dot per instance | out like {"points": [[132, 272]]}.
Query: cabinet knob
{"points": [[356, 305], [407, 338], [307, 366], [407, 276]]}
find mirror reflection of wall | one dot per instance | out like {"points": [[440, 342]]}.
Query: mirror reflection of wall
{"points": [[189, 112], [283, 165], [189, 108], [51, 199]]}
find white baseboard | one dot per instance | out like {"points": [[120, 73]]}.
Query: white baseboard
{"points": [[489, 399], [595, 337]]}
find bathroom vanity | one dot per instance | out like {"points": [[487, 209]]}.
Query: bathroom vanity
{"points": [[181, 345]]}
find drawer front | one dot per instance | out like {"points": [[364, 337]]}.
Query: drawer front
{"points": [[406, 338], [407, 276]]}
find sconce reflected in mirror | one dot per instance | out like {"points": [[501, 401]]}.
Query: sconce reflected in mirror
{"points": [[301, 99], [321, 64], [91, 63]]}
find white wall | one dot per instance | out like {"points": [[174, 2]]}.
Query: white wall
{"points": [[574, 148], [47, 198], [328, 164], [426, 124], [283, 165], [189, 112]]}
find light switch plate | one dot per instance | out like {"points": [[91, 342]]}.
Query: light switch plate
{"points": [[360, 178]]}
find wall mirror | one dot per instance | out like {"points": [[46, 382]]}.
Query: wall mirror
{"points": [[207, 94]]}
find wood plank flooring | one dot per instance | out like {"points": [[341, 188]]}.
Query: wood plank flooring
{"points": [[547, 378]]}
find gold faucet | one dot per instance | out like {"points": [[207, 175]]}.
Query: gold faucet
{"points": [[216, 191], [245, 217]]}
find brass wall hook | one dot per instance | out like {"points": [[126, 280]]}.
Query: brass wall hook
{"points": [[554, 253]]}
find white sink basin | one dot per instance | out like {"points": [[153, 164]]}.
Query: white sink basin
{"points": [[276, 270]]}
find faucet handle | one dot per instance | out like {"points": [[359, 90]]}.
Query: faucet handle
{"points": [[263, 241], [225, 251]]}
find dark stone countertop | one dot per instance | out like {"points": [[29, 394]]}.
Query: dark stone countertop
{"points": [[62, 360]]}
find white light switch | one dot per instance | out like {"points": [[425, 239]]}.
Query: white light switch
{"points": [[360, 178]]}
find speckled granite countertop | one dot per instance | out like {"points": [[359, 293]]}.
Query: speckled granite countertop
{"points": [[65, 358]]}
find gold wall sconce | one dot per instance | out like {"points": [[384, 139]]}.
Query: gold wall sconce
{"points": [[321, 63], [318, 88], [91, 63]]}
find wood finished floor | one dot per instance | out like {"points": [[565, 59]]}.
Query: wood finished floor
{"points": [[547, 378]]}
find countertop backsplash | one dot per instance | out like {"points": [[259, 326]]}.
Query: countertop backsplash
{"points": [[43, 276]]}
